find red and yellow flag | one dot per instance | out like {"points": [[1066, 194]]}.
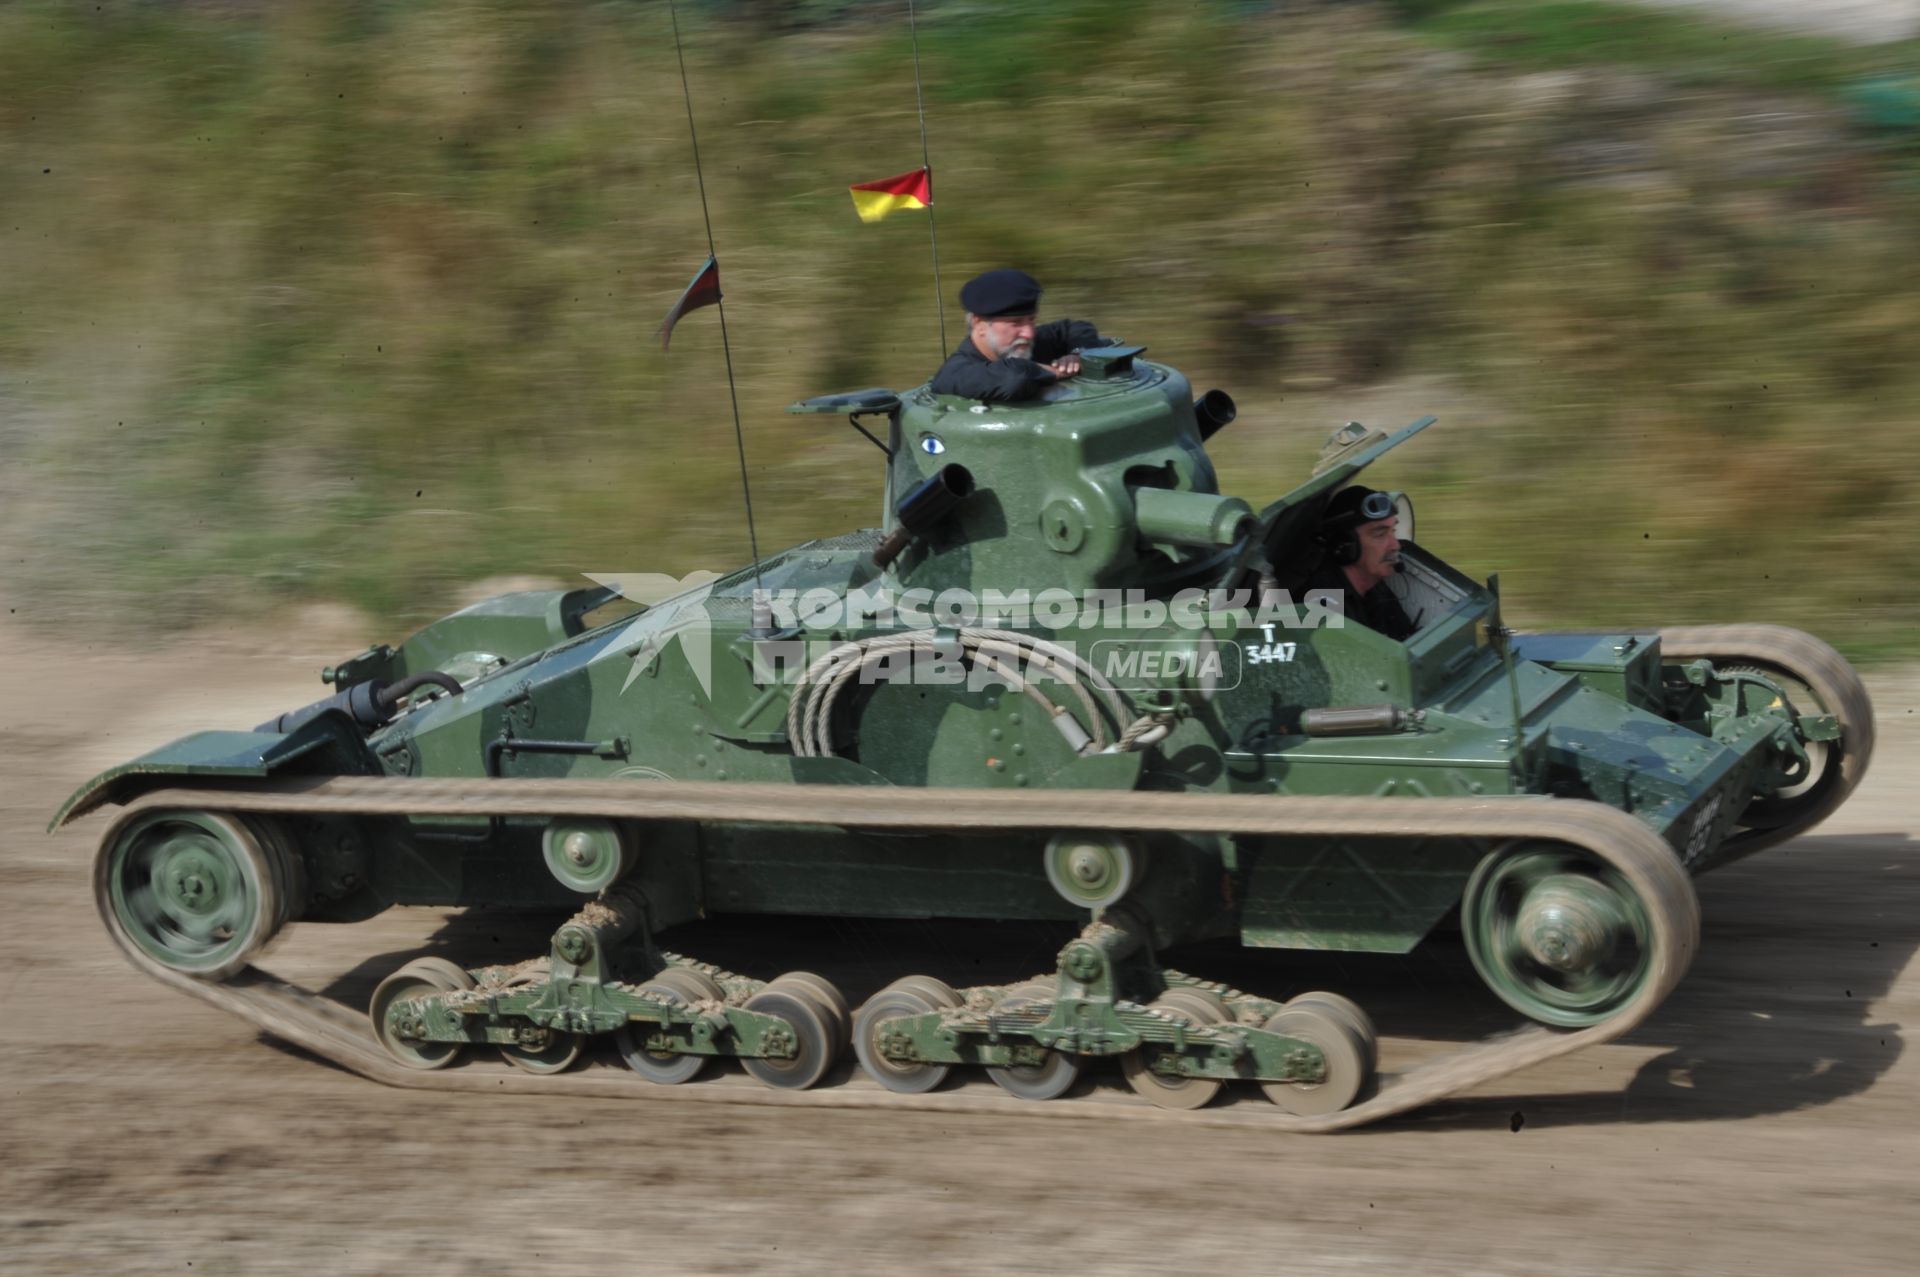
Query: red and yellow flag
{"points": [[874, 200]]}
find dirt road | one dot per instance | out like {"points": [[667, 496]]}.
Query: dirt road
{"points": [[1762, 1122]]}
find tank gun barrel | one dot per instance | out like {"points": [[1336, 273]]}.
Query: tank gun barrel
{"points": [[1190, 518]]}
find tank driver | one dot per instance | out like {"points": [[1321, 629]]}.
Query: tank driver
{"points": [[1359, 530], [1006, 358]]}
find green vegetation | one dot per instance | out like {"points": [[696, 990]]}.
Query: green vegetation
{"points": [[1676, 43], [356, 300]]}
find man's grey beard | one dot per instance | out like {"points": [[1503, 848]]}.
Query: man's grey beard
{"points": [[1019, 348]]}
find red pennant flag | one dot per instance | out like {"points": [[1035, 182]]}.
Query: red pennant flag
{"points": [[703, 291], [874, 200]]}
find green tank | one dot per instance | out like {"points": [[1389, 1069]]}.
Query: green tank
{"points": [[1067, 681]]}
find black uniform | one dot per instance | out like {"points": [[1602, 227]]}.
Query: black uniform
{"points": [[971, 375], [1377, 609]]}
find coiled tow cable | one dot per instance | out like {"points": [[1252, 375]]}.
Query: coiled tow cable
{"points": [[810, 707]]}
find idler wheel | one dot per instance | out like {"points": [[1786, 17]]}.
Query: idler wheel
{"points": [[1197, 1008], [1816, 679], [815, 1038], [1047, 1080], [194, 891], [1341, 1045], [1806, 793], [1557, 935], [664, 1068], [906, 996], [395, 1024]]}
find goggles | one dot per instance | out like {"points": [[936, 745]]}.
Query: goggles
{"points": [[1373, 507]]}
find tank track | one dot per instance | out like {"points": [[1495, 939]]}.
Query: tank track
{"points": [[326, 1029], [1832, 680]]}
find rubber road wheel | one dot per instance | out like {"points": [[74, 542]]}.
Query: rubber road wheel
{"points": [[905, 1077], [814, 1032]]}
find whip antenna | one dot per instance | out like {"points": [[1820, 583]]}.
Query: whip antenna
{"points": [[920, 102], [739, 438]]}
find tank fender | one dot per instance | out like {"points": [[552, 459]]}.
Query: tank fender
{"points": [[326, 745]]}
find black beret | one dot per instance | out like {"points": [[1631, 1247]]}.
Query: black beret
{"points": [[1001, 292]]}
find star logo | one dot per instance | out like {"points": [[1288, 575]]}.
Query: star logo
{"points": [[675, 609]]}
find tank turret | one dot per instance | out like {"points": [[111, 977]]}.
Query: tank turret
{"points": [[1101, 483]]}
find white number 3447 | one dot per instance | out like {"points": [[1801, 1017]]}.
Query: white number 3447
{"points": [[1269, 651]]}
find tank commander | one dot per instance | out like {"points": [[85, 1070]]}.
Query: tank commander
{"points": [[1358, 531], [1006, 357]]}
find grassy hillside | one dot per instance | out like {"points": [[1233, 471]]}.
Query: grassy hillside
{"points": [[356, 300]]}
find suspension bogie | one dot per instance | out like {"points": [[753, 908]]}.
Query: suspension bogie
{"points": [[604, 976], [496, 1011], [1178, 1037], [1176, 1050]]}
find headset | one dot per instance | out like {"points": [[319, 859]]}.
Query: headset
{"points": [[1340, 532]]}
